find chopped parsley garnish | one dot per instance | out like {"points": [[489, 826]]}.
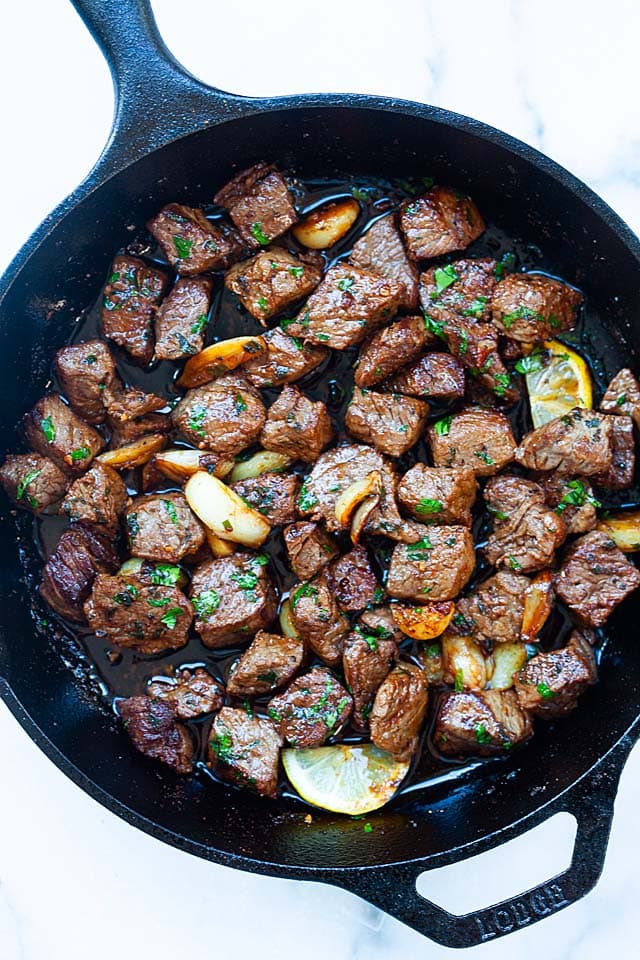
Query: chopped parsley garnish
{"points": [[91, 359], [444, 277], [21, 488], [464, 623], [514, 564], [206, 603], [371, 642], [170, 618], [482, 736], [48, 429], [258, 233], [306, 500], [241, 403], [433, 651], [521, 313], [132, 524], [367, 828], [262, 303], [81, 453], [165, 575], [464, 342], [507, 261], [576, 495], [304, 590], [171, 510], [222, 746], [296, 272], [161, 602], [247, 580], [503, 382], [426, 506], [324, 337], [443, 426], [200, 324], [475, 308], [545, 691], [345, 283], [228, 526], [484, 456], [269, 677], [621, 399], [498, 514], [459, 682], [419, 550], [196, 419], [183, 247], [531, 363], [378, 593], [114, 277], [434, 326], [127, 596]]}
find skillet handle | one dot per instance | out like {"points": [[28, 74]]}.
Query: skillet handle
{"points": [[591, 802], [156, 98]]}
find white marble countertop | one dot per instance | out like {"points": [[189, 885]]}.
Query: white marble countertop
{"points": [[75, 881]]}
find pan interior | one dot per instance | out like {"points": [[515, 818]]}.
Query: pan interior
{"points": [[39, 313]]}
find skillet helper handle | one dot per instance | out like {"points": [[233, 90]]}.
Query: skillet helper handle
{"points": [[156, 98]]}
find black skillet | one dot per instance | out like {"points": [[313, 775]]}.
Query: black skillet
{"points": [[174, 138]]}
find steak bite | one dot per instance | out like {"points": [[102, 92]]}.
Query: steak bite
{"points": [[476, 346], [297, 426], [622, 396], [477, 439], [85, 370], [526, 533], [124, 432], [433, 375], [595, 576], [480, 723], [550, 683], [224, 416], [366, 662], [33, 482], [259, 204], [270, 281], [441, 221], [191, 692], [161, 527], [438, 494], [54, 430], [69, 573], [399, 710], [379, 622], [348, 304], [354, 583], [390, 349], [580, 443], [573, 500], [131, 612], [271, 494], [459, 290], [190, 242], [391, 422], [98, 497], [435, 568], [245, 751], [492, 612], [312, 708], [309, 548], [381, 251], [530, 307], [318, 619], [181, 320], [286, 359], [232, 598], [620, 474], [269, 662], [125, 404], [155, 731], [129, 303]]}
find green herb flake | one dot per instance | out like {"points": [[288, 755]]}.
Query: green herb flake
{"points": [[482, 736], [306, 500], [91, 359], [304, 590], [263, 304], [114, 278], [503, 265], [514, 564], [434, 326], [228, 526], [531, 363], [81, 453], [622, 399], [161, 602], [433, 651], [171, 510], [459, 682], [296, 272], [323, 337], [371, 642], [21, 488], [258, 234], [545, 691], [484, 456], [521, 313], [127, 596], [221, 744], [170, 618], [165, 575], [200, 324], [426, 506], [419, 550], [503, 382], [206, 603], [345, 283], [241, 403], [475, 308], [183, 247], [367, 828], [196, 420], [576, 495], [48, 429], [444, 277], [443, 426]]}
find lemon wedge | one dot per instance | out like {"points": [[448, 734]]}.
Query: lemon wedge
{"points": [[345, 778], [559, 384]]}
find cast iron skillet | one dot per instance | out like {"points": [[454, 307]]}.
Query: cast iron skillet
{"points": [[173, 139]]}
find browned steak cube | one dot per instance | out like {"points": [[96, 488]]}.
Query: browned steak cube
{"points": [[309, 548], [381, 251], [315, 706], [286, 359], [271, 494], [379, 622], [162, 527], [441, 221], [594, 578], [391, 422], [435, 568], [129, 302], [390, 349], [270, 281], [476, 346], [33, 482], [55, 431], [318, 619], [259, 204], [181, 320], [155, 731], [399, 710], [433, 375], [458, 290], [367, 660], [550, 683], [439, 494], [620, 474], [131, 612], [481, 440], [348, 304], [297, 426], [354, 583], [85, 371], [480, 723], [190, 242], [99, 497], [245, 751], [580, 443], [269, 662], [623, 396], [530, 307], [124, 432], [69, 573], [233, 598], [526, 533], [129, 403], [573, 500], [224, 416], [492, 612], [191, 693]]}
